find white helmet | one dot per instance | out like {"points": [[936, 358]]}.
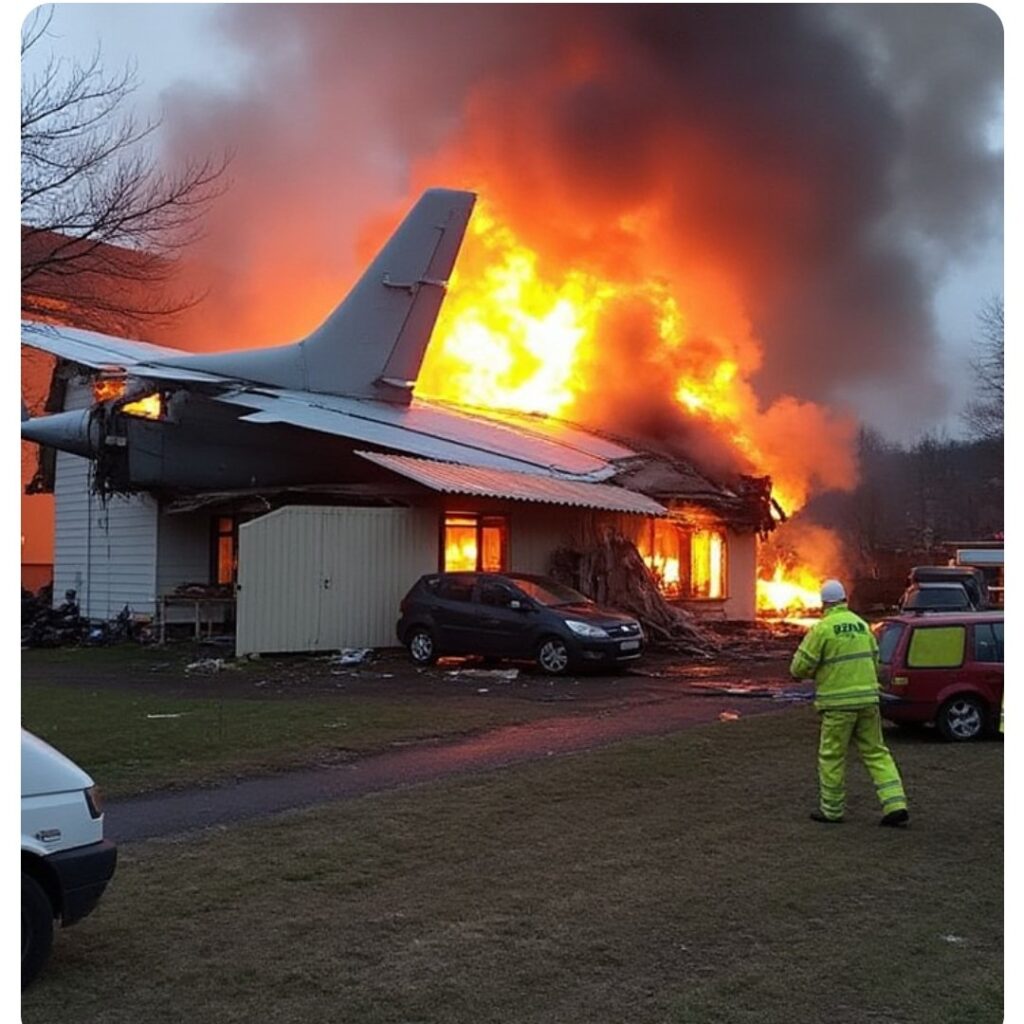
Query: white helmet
{"points": [[832, 592]]}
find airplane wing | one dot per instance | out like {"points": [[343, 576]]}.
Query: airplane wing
{"points": [[115, 355], [99, 351], [433, 431]]}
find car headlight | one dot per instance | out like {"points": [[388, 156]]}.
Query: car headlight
{"points": [[585, 629]]}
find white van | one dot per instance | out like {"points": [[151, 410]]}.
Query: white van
{"points": [[65, 861]]}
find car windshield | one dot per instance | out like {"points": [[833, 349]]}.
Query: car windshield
{"points": [[938, 597], [548, 592]]}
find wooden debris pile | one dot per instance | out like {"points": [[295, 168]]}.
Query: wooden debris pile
{"points": [[610, 571]]}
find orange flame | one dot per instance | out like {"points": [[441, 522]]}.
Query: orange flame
{"points": [[516, 333], [149, 407], [783, 593]]}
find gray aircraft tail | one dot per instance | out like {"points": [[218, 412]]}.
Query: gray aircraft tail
{"points": [[372, 345]]}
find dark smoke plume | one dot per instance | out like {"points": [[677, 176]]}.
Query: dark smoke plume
{"points": [[823, 161]]}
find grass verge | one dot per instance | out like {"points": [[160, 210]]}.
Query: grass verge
{"points": [[133, 742], [668, 880]]}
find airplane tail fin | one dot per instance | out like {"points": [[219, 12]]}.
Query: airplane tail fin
{"points": [[372, 345]]}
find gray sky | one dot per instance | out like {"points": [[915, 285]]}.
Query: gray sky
{"points": [[188, 50]]}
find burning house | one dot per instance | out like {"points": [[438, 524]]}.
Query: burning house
{"points": [[310, 482], [318, 552]]}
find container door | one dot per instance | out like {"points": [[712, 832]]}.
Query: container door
{"points": [[280, 582]]}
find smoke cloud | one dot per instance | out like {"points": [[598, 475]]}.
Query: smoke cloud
{"points": [[796, 175]]}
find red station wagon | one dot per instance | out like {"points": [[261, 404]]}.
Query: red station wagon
{"points": [[943, 668]]}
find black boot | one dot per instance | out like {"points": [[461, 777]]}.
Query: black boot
{"points": [[818, 816], [896, 819]]}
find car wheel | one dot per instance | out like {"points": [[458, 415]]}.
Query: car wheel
{"points": [[553, 656], [422, 648], [36, 928], [961, 718]]}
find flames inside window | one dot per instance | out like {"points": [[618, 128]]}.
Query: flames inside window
{"points": [[687, 563], [225, 555], [475, 543], [707, 564]]}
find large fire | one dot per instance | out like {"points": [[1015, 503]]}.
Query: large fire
{"points": [[515, 334], [788, 592]]}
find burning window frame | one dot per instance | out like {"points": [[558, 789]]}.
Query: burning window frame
{"points": [[480, 523], [664, 543]]}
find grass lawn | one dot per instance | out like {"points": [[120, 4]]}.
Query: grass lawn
{"points": [[668, 880], [136, 741]]}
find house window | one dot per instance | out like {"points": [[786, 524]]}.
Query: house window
{"points": [[707, 564], [225, 549], [474, 543], [666, 556], [688, 564]]}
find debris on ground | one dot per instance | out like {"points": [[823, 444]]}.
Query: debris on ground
{"points": [[208, 665], [764, 640], [612, 572], [497, 674], [352, 656], [42, 625], [796, 695], [177, 714], [728, 716]]}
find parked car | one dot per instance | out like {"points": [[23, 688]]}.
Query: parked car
{"points": [[936, 597], [514, 615], [969, 577], [944, 669], [65, 861]]}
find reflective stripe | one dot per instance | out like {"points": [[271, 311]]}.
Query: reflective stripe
{"points": [[901, 799], [848, 657], [840, 698], [889, 785]]}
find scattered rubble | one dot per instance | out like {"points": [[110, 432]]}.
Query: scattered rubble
{"points": [[42, 625], [612, 572], [352, 656], [209, 665], [497, 674]]}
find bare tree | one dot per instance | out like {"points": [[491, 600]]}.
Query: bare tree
{"points": [[984, 413], [102, 222]]}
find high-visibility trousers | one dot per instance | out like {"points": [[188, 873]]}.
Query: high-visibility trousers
{"points": [[864, 727]]}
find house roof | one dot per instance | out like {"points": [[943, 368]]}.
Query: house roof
{"points": [[455, 478]]}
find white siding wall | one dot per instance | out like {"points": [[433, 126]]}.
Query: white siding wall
{"points": [[103, 550], [741, 603], [324, 578]]}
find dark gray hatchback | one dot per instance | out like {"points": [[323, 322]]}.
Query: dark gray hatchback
{"points": [[514, 615]]}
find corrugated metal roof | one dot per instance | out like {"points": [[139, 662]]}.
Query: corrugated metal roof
{"points": [[453, 478]]}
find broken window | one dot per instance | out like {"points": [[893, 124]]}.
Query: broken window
{"points": [[665, 556], [474, 543], [688, 564], [707, 564]]}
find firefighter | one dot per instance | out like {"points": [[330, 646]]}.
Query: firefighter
{"points": [[841, 656]]}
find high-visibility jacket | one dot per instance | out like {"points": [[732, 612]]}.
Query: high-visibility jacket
{"points": [[841, 656]]}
